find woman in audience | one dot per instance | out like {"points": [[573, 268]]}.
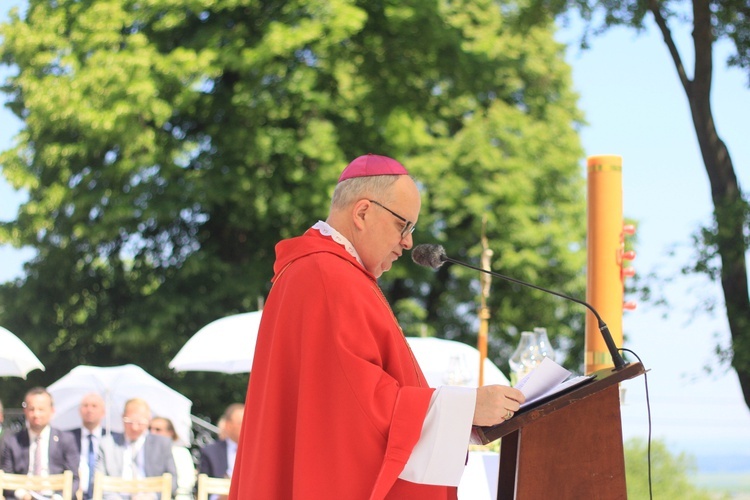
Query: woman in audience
{"points": [[183, 460]]}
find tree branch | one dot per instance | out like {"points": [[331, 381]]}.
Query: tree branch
{"points": [[661, 22]]}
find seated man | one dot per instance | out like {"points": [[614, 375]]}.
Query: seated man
{"points": [[39, 450], [217, 458], [137, 453], [3, 432], [88, 437]]}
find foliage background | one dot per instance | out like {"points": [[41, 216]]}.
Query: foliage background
{"points": [[168, 145], [670, 473]]}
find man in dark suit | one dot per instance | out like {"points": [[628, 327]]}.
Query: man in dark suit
{"points": [[39, 449], [3, 432], [137, 453], [217, 458], [88, 438]]}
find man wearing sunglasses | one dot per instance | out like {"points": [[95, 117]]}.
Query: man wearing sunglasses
{"points": [[337, 406]]}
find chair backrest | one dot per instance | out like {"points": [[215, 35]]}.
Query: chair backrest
{"points": [[56, 482], [212, 486], [157, 484]]}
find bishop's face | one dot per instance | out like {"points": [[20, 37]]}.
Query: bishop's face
{"points": [[388, 226]]}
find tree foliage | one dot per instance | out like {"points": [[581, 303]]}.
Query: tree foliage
{"points": [[670, 474], [169, 144]]}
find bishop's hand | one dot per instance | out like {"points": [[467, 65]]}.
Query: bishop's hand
{"points": [[496, 404]]}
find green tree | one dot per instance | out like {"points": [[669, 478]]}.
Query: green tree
{"points": [[169, 144], [722, 245], [670, 474]]}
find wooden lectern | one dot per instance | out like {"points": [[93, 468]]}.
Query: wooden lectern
{"points": [[567, 447]]}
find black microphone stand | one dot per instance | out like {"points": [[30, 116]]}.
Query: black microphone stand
{"points": [[603, 328]]}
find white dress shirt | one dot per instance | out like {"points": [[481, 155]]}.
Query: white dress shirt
{"points": [[44, 445], [231, 456], [83, 465], [133, 458]]}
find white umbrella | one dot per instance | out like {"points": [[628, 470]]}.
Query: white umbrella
{"points": [[117, 384], [447, 362], [226, 345], [16, 359]]}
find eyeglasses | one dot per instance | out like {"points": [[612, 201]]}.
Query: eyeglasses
{"points": [[134, 421], [408, 228]]}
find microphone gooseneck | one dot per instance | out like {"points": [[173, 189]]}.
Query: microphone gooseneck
{"points": [[431, 255]]}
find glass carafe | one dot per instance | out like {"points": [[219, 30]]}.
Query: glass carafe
{"points": [[545, 348], [524, 358]]}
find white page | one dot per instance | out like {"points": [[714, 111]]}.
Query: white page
{"points": [[541, 379], [546, 379], [571, 382]]}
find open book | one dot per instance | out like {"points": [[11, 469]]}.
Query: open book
{"points": [[546, 379]]}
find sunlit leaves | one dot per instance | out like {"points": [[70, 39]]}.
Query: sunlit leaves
{"points": [[169, 144]]}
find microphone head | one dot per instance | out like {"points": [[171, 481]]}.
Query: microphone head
{"points": [[428, 255]]}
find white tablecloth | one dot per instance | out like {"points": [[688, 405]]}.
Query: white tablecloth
{"points": [[479, 481]]}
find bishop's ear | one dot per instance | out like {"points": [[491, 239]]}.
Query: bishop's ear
{"points": [[360, 212]]}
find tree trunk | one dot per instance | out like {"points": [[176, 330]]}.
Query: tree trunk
{"points": [[729, 207]]}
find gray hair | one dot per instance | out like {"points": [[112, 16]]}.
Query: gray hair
{"points": [[357, 188]]}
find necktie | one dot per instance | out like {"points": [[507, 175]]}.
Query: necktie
{"points": [[134, 461], [92, 466], [38, 455]]}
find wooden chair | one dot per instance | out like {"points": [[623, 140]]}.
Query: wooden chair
{"points": [[212, 486], [158, 484], [56, 482]]}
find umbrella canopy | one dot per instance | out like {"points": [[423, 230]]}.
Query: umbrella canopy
{"points": [[447, 362], [226, 345], [117, 384], [16, 359]]}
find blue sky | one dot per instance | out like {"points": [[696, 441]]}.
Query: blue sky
{"points": [[636, 108]]}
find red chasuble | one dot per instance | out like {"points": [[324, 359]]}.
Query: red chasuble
{"points": [[336, 400]]}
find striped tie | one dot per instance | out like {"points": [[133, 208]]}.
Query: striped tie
{"points": [[38, 455]]}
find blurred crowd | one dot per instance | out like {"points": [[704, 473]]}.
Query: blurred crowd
{"points": [[147, 447]]}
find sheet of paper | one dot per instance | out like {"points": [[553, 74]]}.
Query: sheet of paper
{"points": [[571, 382], [544, 377], [547, 379]]}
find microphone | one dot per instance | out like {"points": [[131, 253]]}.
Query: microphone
{"points": [[431, 255]]}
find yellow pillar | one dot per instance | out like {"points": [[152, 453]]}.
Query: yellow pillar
{"points": [[604, 285], [484, 311]]}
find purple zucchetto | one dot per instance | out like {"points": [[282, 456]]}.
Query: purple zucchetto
{"points": [[370, 165]]}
